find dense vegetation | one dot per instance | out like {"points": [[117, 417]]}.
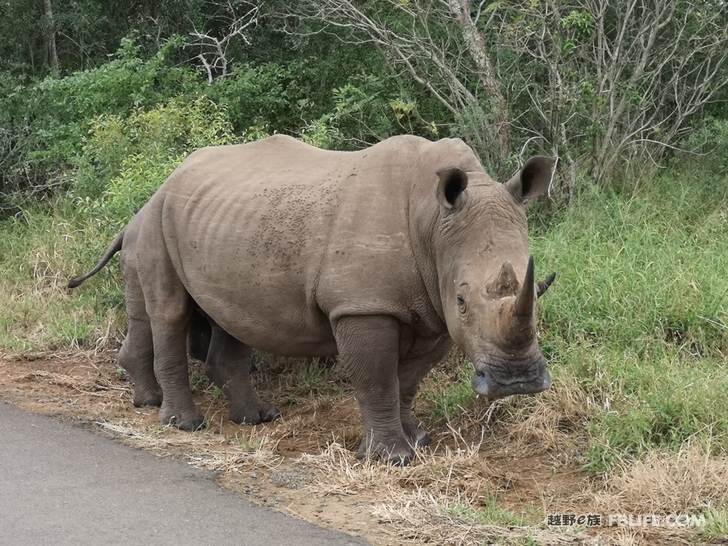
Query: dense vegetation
{"points": [[100, 101]]}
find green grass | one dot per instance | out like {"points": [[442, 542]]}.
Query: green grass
{"points": [[639, 314], [449, 393], [716, 523], [39, 251], [493, 514], [639, 270]]}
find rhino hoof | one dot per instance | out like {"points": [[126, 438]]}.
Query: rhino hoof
{"points": [[256, 416], [191, 425], [399, 459], [422, 440], [151, 402], [271, 415], [415, 434], [397, 456], [147, 401]]}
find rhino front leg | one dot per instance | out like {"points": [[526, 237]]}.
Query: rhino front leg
{"points": [[228, 365], [412, 370], [369, 350]]}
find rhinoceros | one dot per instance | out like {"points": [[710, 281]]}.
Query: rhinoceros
{"points": [[223, 355], [385, 256]]}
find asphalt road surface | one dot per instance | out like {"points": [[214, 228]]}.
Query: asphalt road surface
{"points": [[63, 485]]}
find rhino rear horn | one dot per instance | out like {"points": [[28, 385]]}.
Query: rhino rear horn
{"points": [[526, 295], [506, 283]]}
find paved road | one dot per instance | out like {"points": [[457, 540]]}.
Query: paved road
{"points": [[62, 485]]}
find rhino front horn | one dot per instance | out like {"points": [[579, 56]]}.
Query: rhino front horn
{"points": [[527, 293]]}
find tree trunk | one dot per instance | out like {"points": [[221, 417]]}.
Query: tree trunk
{"points": [[50, 36], [476, 46]]}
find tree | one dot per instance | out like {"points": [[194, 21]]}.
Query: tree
{"points": [[50, 37], [608, 81], [233, 21], [436, 43], [595, 82]]}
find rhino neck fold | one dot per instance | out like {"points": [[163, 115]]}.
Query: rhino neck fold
{"points": [[423, 221]]}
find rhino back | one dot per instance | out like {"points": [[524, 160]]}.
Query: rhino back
{"points": [[278, 236]]}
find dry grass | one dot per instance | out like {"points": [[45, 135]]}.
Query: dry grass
{"points": [[687, 482], [36, 307], [554, 418], [244, 452]]}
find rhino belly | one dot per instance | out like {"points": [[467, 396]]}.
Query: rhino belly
{"points": [[254, 276], [268, 318]]}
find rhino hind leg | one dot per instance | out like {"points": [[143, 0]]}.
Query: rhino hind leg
{"points": [[171, 370], [199, 336], [137, 358], [137, 352], [369, 350], [169, 308], [228, 366]]}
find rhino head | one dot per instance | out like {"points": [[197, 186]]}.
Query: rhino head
{"points": [[486, 276]]}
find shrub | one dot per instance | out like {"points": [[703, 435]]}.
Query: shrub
{"points": [[44, 123], [125, 159]]}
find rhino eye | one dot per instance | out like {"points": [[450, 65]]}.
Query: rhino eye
{"points": [[461, 304]]}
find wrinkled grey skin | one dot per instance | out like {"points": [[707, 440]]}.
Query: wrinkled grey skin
{"points": [[382, 256], [227, 362]]}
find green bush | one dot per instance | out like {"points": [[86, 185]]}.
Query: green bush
{"points": [[125, 159], [265, 96], [44, 123], [709, 139]]}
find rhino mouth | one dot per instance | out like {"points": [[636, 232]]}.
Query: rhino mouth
{"points": [[486, 384]]}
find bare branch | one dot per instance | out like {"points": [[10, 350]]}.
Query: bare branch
{"points": [[214, 53]]}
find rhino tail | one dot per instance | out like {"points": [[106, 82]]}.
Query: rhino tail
{"points": [[112, 249]]}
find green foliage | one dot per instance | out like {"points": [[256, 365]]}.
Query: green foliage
{"points": [[43, 125], [716, 522], [365, 112], [709, 140], [267, 95], [63, 106], [87, 31], [125, 159]]}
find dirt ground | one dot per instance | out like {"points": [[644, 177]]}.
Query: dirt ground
{"points": [[304, 464]]}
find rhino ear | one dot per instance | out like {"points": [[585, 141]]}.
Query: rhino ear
{"points": [[533, 179], [453, 182]]}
